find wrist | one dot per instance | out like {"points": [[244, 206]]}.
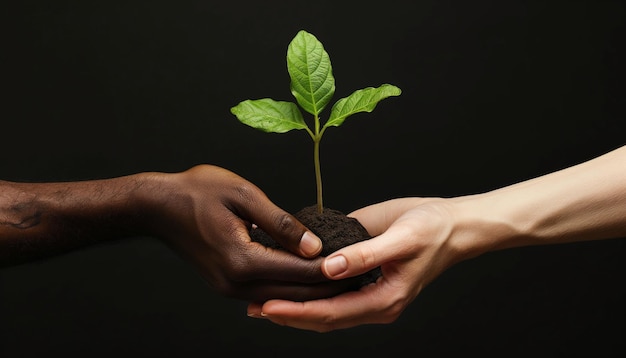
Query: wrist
{"points": [[108, 208], [150, 200], [482, 225]]}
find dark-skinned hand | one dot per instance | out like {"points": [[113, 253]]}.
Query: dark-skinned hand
{"points": [[204, 214]]}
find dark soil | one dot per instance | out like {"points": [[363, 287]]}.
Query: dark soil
{"points": [[334, 228]]}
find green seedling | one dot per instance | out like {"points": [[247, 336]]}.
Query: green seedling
{"points": [[313, 86]]}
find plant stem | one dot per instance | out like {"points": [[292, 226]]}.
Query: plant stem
{"points": [[316, 161], [318, 173]]}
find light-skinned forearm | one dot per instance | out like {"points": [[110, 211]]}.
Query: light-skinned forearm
{"points": [[583, 202]]}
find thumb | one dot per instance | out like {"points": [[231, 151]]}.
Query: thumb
{"points": [[284, 228], [361, 257]]}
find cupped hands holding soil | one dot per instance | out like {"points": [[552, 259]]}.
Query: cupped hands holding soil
{"points": [[335, 229]]}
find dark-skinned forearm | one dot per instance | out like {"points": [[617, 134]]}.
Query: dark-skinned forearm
{"points": [[44, 219]]}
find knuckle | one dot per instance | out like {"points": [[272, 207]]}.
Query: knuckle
{"points": [[394, 309], [407, 229], [246, 192], [366, 255], [238, 270], [284, 222], [239, 267], [328, 324]]}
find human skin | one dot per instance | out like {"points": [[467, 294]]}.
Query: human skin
{"points": [[416, 239], [204, 214]]}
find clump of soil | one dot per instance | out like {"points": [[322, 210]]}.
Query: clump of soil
{"points": [[334, 228]]}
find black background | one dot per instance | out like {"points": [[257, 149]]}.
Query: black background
{"points": [[494, 92]]}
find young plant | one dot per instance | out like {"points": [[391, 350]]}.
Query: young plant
{"points": [[313, 86]]}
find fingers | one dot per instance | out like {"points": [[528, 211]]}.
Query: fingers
{"points": [[255, 309], [266, 263], [276, 264], [366, 306], [249, 202], [378, 303], [283, 227], [259, 273]]}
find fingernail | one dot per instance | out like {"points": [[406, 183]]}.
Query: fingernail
{"points": [[310, 244], [255, 315], [336, 265]]}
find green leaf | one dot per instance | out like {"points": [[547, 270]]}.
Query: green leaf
{"points": [[308, 64], [363, 100], [269, 115]]}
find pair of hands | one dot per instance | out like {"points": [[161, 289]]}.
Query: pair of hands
{"points": [[410, 245], [205, 214]]}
